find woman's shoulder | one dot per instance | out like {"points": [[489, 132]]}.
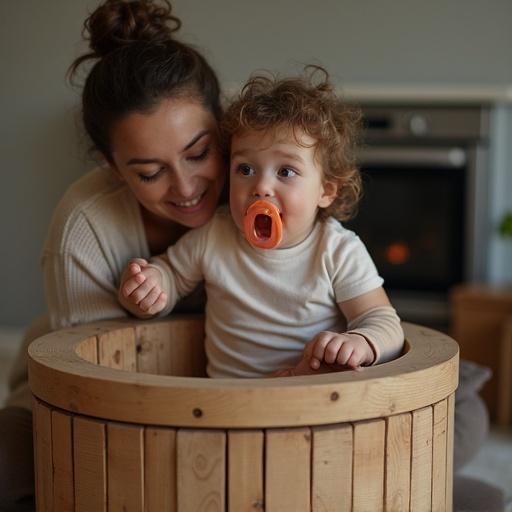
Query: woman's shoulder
{"points": [[99, 201]]}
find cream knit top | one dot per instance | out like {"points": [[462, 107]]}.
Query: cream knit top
{"points": [[96, 229]]}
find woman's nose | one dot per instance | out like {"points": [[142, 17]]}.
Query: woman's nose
{"points": [[183, 183]]}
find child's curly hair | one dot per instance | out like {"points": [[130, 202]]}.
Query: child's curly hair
{"points": [[311, 106]]}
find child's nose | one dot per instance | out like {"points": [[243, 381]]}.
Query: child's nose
{"points": [[263, 187]]}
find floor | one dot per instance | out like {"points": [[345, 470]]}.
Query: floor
{"points": [[493, 463]]}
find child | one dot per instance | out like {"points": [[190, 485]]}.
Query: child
{"points": [[315, 291]]}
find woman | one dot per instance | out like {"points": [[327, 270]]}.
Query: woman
{"points": [[151, 108]]}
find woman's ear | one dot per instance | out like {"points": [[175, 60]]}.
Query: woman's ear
{"points": [[330, 191]]}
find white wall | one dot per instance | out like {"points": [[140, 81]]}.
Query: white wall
{"points": [[400, 41]]}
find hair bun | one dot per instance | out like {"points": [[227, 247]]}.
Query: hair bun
{"points": [[116, 23]]}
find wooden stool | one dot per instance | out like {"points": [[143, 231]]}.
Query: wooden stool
{"points": [[124, 420]]}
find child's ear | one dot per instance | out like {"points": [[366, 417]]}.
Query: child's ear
{"points": [[329, 194]]}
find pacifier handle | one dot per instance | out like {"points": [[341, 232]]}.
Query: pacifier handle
{"points": [[262, 207]]}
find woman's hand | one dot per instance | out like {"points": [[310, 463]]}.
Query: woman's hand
{"points": [[140, 290]]}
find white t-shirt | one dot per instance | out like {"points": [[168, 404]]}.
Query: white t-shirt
{"points": [[263, 306]]}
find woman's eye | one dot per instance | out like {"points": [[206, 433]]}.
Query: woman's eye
{"points": [[148, 178], [245, 170], [200, 156], [286, 172]]}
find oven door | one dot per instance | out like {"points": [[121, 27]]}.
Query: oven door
{"points": [[411, 218]]}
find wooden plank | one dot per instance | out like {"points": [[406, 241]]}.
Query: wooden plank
{"points": [[43, 456], [439, 456], [188, 358], [116, 349], [62, 449], [368, 486], [245, 470], [421, 460], [160, 469], [125, 467], [504, 406], [89, 450], [398, 462], [288, 470], [449, 451], [201, 468], [88, 350], [332, 468], [153, 348]]}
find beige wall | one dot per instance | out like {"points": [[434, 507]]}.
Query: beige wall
{"points": [[406, 41]]}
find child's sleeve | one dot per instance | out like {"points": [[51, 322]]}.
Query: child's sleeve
{"points": [[181, 266]]}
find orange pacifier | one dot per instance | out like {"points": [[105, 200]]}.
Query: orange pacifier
{"points": [[262, 225]]}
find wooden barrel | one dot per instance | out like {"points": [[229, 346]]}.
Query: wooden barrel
{"points": [[125, 421]]}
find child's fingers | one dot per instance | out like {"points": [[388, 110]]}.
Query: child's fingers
{"points": [[134, 269], [320, 343], [150, 299], [332, 349], [141, 292], [131, 284], [345, 353], [159, 304]]}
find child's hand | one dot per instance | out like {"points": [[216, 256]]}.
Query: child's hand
{"points": [[346, 350], [141, 286]]}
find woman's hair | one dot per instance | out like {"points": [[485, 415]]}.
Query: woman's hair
{"points": [[310, 105], [137, 64]]}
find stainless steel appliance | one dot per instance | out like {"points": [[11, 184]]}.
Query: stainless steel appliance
{"points": [[423, 215]]}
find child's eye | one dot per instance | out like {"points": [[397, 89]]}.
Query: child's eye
{"points": [[245, 170], [286, 172], [200, 156]]}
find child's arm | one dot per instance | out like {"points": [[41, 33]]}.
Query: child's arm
{"points": [[354, 348], [140, 290], [374, 334]]}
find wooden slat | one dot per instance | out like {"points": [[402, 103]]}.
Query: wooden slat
{"points": [[398, 462], [89, 451], [116, 349], [125, 464], [449, 452], [368, 487], [160, 469], [153, 354], [175, 348], [188, 357], [287, 470], [245, 470], [332, 468], [439, 456], [43, 456], [62, 449], [201, 468], [88, 350], [421, 460]]}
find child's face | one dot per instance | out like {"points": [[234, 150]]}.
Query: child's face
{"points": [[274, 167]]}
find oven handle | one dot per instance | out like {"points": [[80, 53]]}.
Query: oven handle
{"points": [[454, 157]]}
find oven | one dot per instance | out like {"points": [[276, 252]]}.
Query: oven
{"points": [[424, 207]]}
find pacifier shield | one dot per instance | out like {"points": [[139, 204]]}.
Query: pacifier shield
{"points": [[263, 227]]}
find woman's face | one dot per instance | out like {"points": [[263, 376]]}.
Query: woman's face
{"points": [[171, 160]]}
